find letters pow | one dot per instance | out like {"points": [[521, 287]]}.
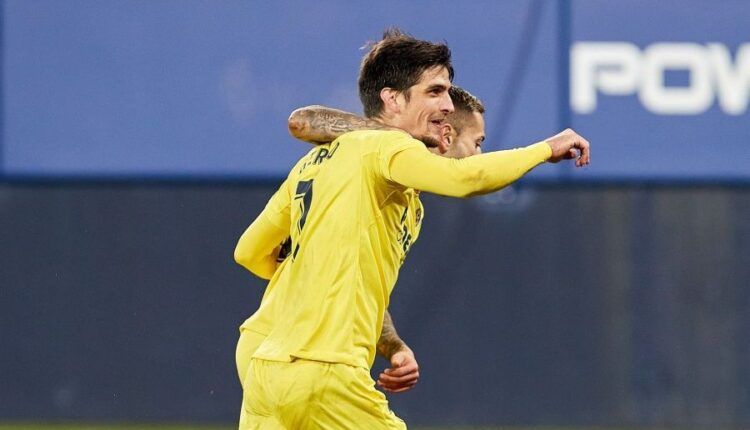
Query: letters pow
{"points": [[622, 68]]}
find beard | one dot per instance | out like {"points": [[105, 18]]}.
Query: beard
{"points": [[429, 141]]}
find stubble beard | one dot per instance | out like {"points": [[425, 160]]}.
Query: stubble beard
{"points": [[429, 141]]}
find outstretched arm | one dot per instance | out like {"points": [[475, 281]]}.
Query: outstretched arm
{"points": [[404, 371], [417, 168], [319, 124]]}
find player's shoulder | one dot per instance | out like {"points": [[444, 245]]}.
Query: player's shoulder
{"points": [[379, 135], [381, 139], [301, 163], [304, 159]]}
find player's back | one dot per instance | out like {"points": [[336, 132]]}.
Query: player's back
{"points": [[351, 228]]}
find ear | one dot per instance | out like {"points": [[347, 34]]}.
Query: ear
{"points": [[446, 138], [391, 102]]}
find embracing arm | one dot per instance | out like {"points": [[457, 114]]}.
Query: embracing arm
{"points": [[319, 124]]}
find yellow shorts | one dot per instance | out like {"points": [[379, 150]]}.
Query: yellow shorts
{"points": [[307, 394], [249, 341]]}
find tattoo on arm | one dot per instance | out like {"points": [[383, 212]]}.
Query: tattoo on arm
{"points": [[320, 124], [389, 342]]}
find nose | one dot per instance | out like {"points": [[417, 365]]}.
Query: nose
{"points": [[446, 104]]}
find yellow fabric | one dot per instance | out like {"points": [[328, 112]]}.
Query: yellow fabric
{"points": [[352, 213], [248, 342], [419, 169], [258, 246], [307, 394], [246, 345], [258, 249], [351, 229]]}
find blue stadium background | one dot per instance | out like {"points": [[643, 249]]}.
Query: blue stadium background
{"points": [[139, 138]]}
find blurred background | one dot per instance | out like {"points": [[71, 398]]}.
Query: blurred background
{"points": [[139, 139]]}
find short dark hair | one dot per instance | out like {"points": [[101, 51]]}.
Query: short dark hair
{"points": [[397, 61], [464, 104]]}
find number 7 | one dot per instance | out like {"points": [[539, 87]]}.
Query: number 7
{"points": [[304, 193]]}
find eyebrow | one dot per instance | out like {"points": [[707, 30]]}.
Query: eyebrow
{"points": [[437, 87]]}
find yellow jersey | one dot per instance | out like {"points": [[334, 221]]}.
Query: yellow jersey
{"points": [[352, 212], [351, 227]]}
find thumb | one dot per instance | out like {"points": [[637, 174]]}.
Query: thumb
{"points": [[397, 360]]}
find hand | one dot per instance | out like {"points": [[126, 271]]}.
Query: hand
{"points": [[403, 374], [569, 145]]}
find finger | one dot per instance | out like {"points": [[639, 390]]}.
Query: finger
{"points": [[403, 370], [585, 148], [399, 389], [388, 379], [394, 387], [397, 386], [579, 160], [398, 361]]}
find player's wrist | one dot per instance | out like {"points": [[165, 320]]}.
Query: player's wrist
{"points": [[545, 148], [403, 348]]}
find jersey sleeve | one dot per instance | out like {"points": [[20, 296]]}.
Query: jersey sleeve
{"points": [[259, 245], [393, 143], [278, 208], [416, 167]]}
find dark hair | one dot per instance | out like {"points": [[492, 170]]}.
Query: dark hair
{"points": [[464, 104], [397, 61]]}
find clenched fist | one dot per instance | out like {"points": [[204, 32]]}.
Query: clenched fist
{"points": [[569, 145]]}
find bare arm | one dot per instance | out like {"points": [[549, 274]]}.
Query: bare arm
{"points": [[319, 124], [389, 342], [404, 371]]}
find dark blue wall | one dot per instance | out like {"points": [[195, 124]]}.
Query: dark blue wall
{"points": [[531, 306]]}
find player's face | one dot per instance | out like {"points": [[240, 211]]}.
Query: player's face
{"points": [[428, 105], [469, 141]]}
